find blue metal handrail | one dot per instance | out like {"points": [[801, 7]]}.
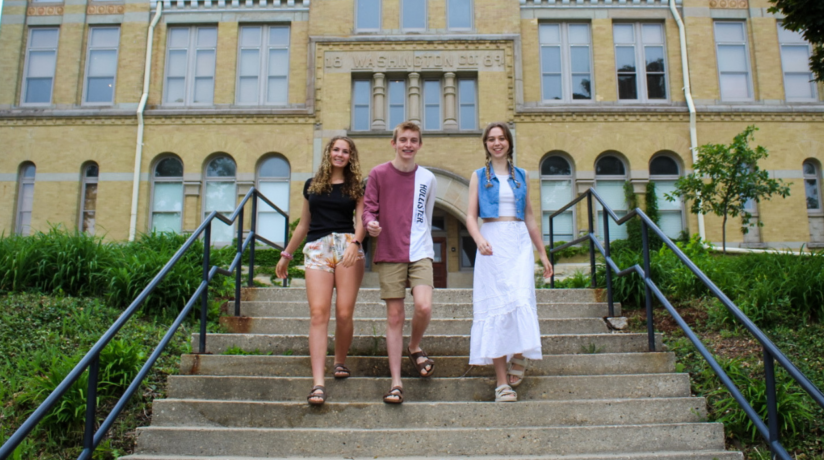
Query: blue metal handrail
{"points": [[91, 361], [769, 430]]}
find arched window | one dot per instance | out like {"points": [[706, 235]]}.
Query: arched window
{"points": [[610, 175], [557, 190], [664, 172], [88, 198], [220, 196], [167, 196], [812, 185], [25, 198], [273, 182]]}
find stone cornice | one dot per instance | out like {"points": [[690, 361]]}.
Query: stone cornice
{"points": [[156, 120], [667, 117]]}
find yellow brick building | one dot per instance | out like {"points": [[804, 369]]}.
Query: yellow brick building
{"points": [[247, 92]]}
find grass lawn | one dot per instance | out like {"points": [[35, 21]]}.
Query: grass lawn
{"points": [[40, 339]]}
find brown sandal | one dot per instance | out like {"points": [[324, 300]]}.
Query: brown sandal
{"points": [[394, 396], [341, 371], [422, 365], [317, 396]]}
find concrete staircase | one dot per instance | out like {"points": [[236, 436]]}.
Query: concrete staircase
{"points": [[596, 394]]}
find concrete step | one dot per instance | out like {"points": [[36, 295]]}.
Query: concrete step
{"points": [[447, 345], [439, 295], [371, 389], [689, 455], [377, 326], [447, 366], [376, 415], [263, 442], [300, 309]]}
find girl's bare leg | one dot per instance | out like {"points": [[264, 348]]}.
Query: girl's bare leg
{"points": [[319, 286]]}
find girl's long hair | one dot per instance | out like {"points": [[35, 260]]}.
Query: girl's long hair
{"points": [[352, 180], [508, 136]]}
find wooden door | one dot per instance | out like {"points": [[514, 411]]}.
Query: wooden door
{"points": [[439, 262]]}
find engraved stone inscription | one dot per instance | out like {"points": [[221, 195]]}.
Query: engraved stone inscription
{"points": [[414, 61]]}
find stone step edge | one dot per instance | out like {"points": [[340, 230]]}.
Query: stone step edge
{"points": [[485, 378], [416, 430], [702, 454], [428, 403]]}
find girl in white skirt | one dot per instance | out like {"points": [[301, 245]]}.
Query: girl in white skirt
{"points": [[505, 324]]}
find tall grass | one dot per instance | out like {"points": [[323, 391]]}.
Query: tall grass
{"points": [[771, 289]]}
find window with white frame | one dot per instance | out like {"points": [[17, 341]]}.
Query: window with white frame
{"points": [[566, 62], [273, 182], [263, 65], [101, 65], [88, 198], [432, 102], [640, 61], [396, 103], [413, 15], [799, 81], [190, 66], [812, 186], [41, 59], [610, 176], [467, 104], [220, 196], [664, 172], [361, 105], [167, 196], [25, 198], [368, 15], [459, 14], [557, 189], [733, 60]]}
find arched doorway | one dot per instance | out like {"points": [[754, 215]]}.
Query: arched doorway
{"points": [[454, 248]]}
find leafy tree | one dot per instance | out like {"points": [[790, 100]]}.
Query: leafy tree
{"points": [[725, 178], [807, 17]]}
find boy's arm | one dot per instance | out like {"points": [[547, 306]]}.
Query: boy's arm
{"points": [[371, 201], [430, 199]]}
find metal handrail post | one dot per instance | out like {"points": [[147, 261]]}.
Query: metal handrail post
{"points": [[285, 242], [609, 269], [204, 297], [647, 291], [772, 404], [239, 261], [91, 405], [551, 255], [253, 228], [591, 243]]}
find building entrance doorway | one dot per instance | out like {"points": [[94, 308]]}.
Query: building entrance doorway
{"points": [[439, 262]]}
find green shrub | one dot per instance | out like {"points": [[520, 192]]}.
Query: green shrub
{"points": [[567, 253], [578, 280]]}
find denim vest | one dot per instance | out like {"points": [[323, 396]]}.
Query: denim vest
{"points": [[488, 197]]}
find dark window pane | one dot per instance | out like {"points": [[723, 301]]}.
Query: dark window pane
{"points": [[663, 166], [809, 169], [38, 90], [656, 87], [468, 251], [609, 166], [655, 58], [221, 167], [169, 167], [555, 166], [627, 87], [438, 223], [100, 89], [581, 88], [625, 58], [92, 171], [811, 186]]}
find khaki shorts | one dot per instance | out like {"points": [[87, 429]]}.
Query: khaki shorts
{"points": [[393, 277]]}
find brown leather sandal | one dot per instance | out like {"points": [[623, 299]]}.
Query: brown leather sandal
{"points": [[317, 396], [394, 396], [341, 371], [421, 367]]}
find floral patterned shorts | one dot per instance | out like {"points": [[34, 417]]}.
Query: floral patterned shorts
{"points": [[325, 253]]}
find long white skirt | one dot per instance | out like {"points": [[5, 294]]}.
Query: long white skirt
{"points": [[503, 299]]}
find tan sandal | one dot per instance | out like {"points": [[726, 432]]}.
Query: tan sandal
{"points": [[317, 396], [394, 396], [517, 373], [505, 393]]}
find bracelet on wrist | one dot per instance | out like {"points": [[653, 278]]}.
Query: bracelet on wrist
{"points": [[286, 255]]}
